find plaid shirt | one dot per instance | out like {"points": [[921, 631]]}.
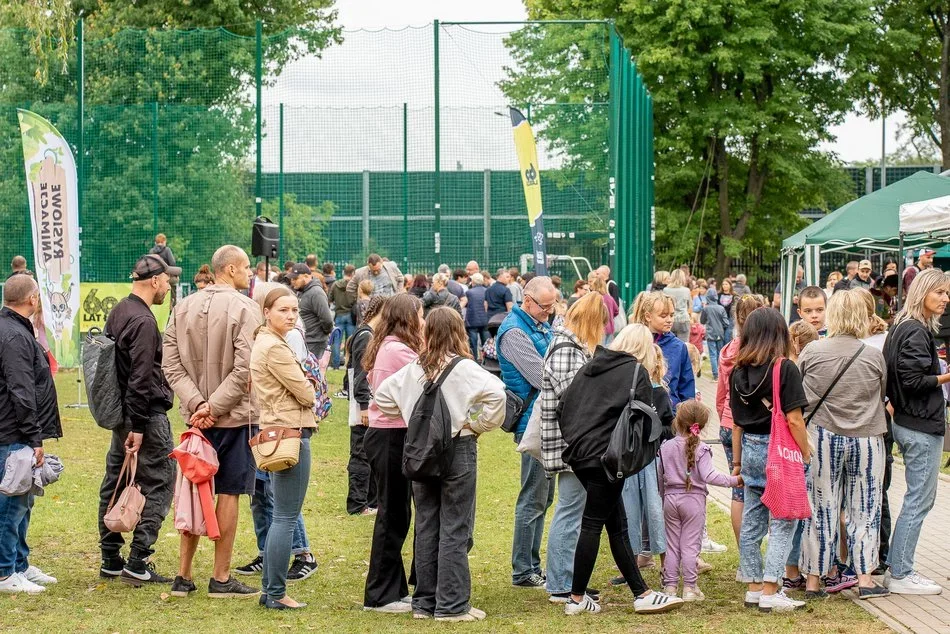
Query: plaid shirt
{"points": [[560, 366]]}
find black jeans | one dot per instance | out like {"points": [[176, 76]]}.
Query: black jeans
{"points": [[445, 519], [604, 507], [362, 483], [884, 548], [386, 581], [155, 475]]}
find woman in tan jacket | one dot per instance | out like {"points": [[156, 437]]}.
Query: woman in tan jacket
{"points": [[286, 399]]}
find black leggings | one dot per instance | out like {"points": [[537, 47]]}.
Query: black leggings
{"points": [[604, 507]]}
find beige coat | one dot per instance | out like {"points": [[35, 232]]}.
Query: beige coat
{"points": [[362, 273], [207, 354], [283, 393]]}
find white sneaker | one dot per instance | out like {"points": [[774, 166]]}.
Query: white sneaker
{"points": [[17, 583], [671, 590], [778, 602], [473, 614], [36, 575], [752, 598], [693, 594], [656, 602], [914, 583], [571, 608], [396, 607], [709, 546]]}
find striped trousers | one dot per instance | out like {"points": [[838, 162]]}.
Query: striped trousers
{"points": [[846, 477]]}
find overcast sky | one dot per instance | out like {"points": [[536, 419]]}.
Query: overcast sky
{"points": [[858, 138]]}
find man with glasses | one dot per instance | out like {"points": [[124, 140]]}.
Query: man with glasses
{"points": [[522, 342]]}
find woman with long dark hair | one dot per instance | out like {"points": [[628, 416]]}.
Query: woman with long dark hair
{"points": [[396, 343], [445, 507], [765, 342]]}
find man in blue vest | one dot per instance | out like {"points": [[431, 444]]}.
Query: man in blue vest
{"points": [[522, 341]]}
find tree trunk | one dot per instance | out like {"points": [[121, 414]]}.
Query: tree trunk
{"points": [[943, 108], [723, 261]]}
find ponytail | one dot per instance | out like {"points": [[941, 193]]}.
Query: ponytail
{"points": [[692, 442], [691, 418]]}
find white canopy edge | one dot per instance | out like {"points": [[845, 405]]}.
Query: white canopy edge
{"points": [[926, 216]]}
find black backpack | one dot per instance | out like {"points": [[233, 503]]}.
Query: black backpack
{"points": [[102, 384], [635, 440], [429, 448]]}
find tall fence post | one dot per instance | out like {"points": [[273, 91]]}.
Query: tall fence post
{"points": [[486, 218], [365, 210], [80, 115], [613, 143], [154, 167], [405, 186], [258, 75], [437, 191], [280, 188]]}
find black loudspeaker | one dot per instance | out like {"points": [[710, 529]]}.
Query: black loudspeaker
{"points": [[265, 238]]}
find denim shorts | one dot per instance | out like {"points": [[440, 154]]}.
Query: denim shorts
{"points": [[725, 437]]}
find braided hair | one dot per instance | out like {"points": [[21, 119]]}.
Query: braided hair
{"points": [[691, 418]]}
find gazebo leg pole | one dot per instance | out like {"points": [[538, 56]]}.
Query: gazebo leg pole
{"points": [[900, 275]]}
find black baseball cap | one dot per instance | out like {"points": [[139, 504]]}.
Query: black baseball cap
{"points": [[299, 269], [151, 265]]}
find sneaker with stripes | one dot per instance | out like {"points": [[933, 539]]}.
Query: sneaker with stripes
{"points": [[656, 602], [573, 608]]}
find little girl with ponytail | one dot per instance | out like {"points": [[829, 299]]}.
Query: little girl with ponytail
{"points": [[685, 470]]}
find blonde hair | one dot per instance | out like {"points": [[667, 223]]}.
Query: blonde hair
{"points": [[637, 340], [366, 287], [926, 282], [645, 304], [440, 278], [802, 334], [586, 318], [847, 315], [661, 278], [876, 325], [677, 279], [695, 358], [658, 374], [596, 283]]}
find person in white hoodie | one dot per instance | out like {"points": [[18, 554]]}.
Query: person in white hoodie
{"points": [[445, 508]]}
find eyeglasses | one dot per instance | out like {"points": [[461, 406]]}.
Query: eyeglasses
{"points": [[540, 305]]}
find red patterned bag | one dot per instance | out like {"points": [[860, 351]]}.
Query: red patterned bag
{"points": [[786, 495]]}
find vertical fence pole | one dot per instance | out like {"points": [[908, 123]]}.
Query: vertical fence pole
{"points": [[365, 210], [80, 117], [613, 144], [437, 185], [405, 187], [280, 188], [259, 71], [154, 167], [486, 221]]}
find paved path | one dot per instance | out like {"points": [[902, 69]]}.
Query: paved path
{"points": [[902, 613]]}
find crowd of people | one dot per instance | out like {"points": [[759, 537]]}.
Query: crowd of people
{"points": [[235, 353]]}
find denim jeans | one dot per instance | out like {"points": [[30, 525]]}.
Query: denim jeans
{"points": [[563, 532], [262, 512], [922, 453], [476, 339], [535, 498], [757, 521], [715, 347], [14, 513], [445, 519], [644, 506], [344, 323], [290, 489], [725, 439]]}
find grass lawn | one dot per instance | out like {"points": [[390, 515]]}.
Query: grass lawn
{"points": [[64, 539]]}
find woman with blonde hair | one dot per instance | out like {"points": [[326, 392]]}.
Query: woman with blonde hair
{"points": [[286, 400], [598, 286], [847, 468], [572, 346], [678, 290], [586, 425], [914, 391]]}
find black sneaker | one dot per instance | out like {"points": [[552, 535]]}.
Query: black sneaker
{"points": [[230, 589], [874, 592], [111, 567], [814, 595], [618, 581], [301, 568], [798, 583], [534, 580], [253, 568], [137, 573], [182, 587]]}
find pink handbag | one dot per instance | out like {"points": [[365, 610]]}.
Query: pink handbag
{"points": [[124, 516], [786, 495]]}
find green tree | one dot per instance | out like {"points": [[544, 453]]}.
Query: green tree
{"points": [[744, 91], [304, 229]]}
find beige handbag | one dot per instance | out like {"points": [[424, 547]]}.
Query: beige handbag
{"points": [[124, 516], [276, 448]]}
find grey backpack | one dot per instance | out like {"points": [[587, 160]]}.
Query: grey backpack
{"points": [[102, 384]]}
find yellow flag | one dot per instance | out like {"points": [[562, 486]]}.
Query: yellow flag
{"points": [[531, 181]]}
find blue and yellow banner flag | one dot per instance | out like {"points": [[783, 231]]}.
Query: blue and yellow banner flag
{"points": [[531, 181]]}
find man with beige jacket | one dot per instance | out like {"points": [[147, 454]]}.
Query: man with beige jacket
{"points": [[206, 360], [387, 279]]}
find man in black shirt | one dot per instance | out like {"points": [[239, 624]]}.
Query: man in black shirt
{"points": [[146, 399]]}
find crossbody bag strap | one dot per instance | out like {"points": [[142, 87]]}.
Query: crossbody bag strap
{"points": [[834, 382]]}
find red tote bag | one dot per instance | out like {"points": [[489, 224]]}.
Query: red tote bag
{"points": [[786, 495]]}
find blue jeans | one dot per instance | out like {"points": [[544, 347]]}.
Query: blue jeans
{"points": [[922, 453], [757, 521], [533, 502], [344, 323], [290, 489], [725, 439], [14, 520], [644, 506], [474, 335], [562, 535], [715, 347], [262, 511]]}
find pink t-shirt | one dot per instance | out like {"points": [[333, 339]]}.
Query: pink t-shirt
{"points": [[393, 355]]}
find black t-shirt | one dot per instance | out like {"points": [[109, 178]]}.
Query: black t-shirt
{"points": [[750, 384]]}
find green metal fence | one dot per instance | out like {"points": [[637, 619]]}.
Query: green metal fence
{"points": [[394, 141]]}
